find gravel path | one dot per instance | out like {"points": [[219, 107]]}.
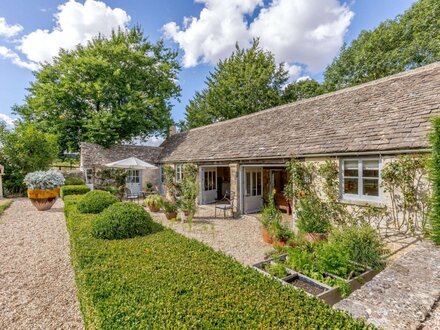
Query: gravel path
{"points": [[239, 238], [37, 288]]}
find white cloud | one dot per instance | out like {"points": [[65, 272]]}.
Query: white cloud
{"points": [[308, 32], [7, 119], [76, 23], [7, 30], [293, 70], [303, 78], [214, 34], [7, 53]]}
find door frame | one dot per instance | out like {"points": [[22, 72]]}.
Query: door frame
{"points": [[130, 170], [202, 200]]}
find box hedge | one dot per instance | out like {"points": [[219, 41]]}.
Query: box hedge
{"points": [[73, 181], [96, 201], [122, 220], [165, 280], [74, 190]]}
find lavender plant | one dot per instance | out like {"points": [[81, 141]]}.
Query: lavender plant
{"points": [[45, 180]]}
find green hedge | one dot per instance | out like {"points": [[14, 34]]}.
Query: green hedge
{"points": [[122, 220], [164, 280], [96, 201], [435, 178], [73, 181], [74, 190]]}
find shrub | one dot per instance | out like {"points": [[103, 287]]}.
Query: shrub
{"points": [[174, 275], [312, 216], [362, 243], [73, 181], [154, 200], [96, 201], [122, 220], [170, 207], [434, 169], [45, 180], [74, 190]]}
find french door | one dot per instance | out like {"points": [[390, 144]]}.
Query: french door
{"points": [[133, 181], [209, 184], [253, 189]]}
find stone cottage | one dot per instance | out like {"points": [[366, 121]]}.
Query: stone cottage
{"points": [[361, 128]]}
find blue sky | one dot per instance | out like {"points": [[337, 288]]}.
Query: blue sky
{"points": [[200, 42]]}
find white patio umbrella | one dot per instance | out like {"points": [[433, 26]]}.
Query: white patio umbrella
{"points": [[131, 163]]}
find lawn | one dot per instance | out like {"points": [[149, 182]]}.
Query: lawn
{"points": [[165, 280]]}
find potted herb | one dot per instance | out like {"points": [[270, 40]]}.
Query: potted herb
{"points": [[149, 186], [312, 219], [154, 202], [269, 215], [43, 188], [280, 233], [170, 210]]}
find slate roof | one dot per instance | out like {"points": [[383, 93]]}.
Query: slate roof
{"points": [[96, 155], [387, 114]]}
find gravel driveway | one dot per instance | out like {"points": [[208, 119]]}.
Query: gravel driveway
{"points": [[37, 288]]}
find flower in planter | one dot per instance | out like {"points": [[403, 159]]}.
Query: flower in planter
{"points": [[44, 180]]}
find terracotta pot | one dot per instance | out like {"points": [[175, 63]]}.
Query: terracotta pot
{"points": [[153, 208], [279, 242], [43, 199], [171, 216], [315, 237], [267, 238], [186, 213]]}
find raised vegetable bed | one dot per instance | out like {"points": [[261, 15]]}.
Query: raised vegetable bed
{"points": [[330, 295]]}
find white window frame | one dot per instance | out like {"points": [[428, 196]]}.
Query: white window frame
{"points": [[210, 179], [359, 196], [179, 172], [252, 183]]}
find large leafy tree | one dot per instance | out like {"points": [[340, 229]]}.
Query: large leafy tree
{"points": [[302, 89], [25, 149], [409, 41], [111, 90], [247, 81]]}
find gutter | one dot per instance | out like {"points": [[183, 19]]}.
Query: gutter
{"points": [[336, 154]]}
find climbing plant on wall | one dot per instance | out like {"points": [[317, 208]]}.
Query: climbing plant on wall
{"points": [[434, 169]]}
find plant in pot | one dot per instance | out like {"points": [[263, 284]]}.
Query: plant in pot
{"points": [[280, 233], [189, 189], [170, 210], [149, 187], [43, 188], [154, 202], [312, 218]]}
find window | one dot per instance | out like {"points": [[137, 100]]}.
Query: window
{"points": [[360, 179], [133, 176], [253, 182], [179, 172], [89, 175], [210, 180]]}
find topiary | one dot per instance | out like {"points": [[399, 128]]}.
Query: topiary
{"points": [[73, 181], [122, 220], [96, 201], [74, 190]]}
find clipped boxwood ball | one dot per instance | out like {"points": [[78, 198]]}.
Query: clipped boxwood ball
{"points": [[122, 220], [96, 201]]}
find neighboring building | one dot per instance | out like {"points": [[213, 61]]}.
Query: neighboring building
{"points": [[361, 127], [94, 157]]}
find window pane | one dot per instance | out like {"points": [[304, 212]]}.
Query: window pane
{"points": [[206, 181], [351, 168], [371, 187], [248, 183], [214, 180], [370, 168], [258, 183], [351, 186]]}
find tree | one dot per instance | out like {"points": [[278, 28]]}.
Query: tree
{"points": [[108, 91], [247, 81], [302, 89], [409, 41], [24, 150]]}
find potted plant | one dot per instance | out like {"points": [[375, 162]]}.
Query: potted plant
{"points": [[170, 210], [154, 202], [312, 219], [280, 233], [149, 187], [43, 188]]}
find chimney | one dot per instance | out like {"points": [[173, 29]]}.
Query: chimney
{"points": [[172, 130]]}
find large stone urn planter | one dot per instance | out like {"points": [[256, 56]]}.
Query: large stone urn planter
{"points": [[43, 199]]}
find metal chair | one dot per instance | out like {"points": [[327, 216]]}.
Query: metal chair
{"points": [[225, 204], [129, 195]]}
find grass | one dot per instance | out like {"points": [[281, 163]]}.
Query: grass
{"points": [[4, 204], [165, 280]]}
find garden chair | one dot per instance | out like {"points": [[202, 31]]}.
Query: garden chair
{"points": [[130, 196], [225, 204]]}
